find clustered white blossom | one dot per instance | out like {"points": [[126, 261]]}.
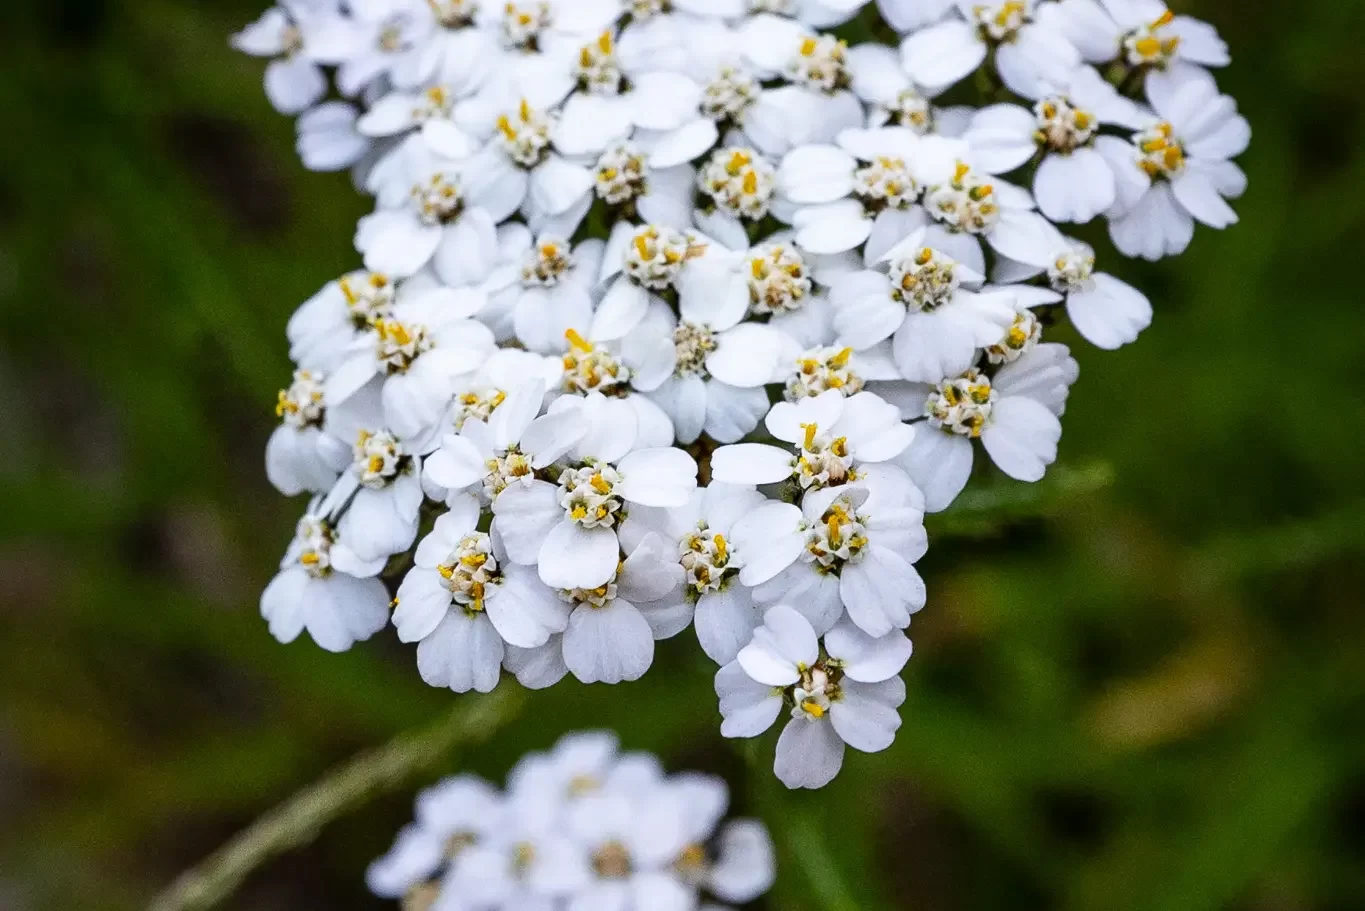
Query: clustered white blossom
{"points": [[621, 245], [582, 826]]}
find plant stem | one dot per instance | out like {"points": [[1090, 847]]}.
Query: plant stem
{"points": [[298, 820], [806, 843]]}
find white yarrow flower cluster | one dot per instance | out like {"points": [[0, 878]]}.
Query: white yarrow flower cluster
{"points": [[618, 247], [582, 826]]}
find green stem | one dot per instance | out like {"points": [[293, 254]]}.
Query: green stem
{"points": [[298, 820], [806, 843]]}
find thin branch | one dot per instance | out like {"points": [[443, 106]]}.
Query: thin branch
{"points": [[298, 820]]}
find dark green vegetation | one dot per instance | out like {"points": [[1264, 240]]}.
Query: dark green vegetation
{"points": [[1142, 697]]}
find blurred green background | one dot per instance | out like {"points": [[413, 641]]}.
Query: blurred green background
{"points": [[1140, 695]]}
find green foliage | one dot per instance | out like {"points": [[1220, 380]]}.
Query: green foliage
{"points": [[1137, 688]]}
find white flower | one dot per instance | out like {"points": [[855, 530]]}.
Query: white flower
{"points": [[633, 839], [1177, 171], [523, 162], [630, 94], [381, 494], [640, 262], [322, 329], [739, 182], [293, 81], [865, 190], [971, 206], [480, 394], [845, 693], [369, 42], [454, 119], [568, 528], [845, 549], [505, 450], [611, 632], [817, 370], [788, 286], [451, 817], [301, 455], [451, 50], [816, 106], [633, 182], [1073, 182], [311, 593], [424, 216], [832, 437], [893, 99], [520, 864], [1107, 312], [581, 550], [462, 602], [556, 282], [937, 324], [549, 26], [707, 370], [1014, 415], [699, 533], [419, 350], [1141, 33], [1028, 53]]}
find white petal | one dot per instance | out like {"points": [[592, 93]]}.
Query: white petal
{"points": [[768, 540], [940, 55], [1111, 315], [866, 717], [745, 867], [881, 591], [1022, 438], [556, 185], [1074, 187], [608, 644], [733, 413], [658, 477], [747, 707], [524, 516], [784, 642], [725, 621], [939, 463], [524, 612], [747, 355], [865, 658], [621, 310], [463, 654], [423, 603], [576, 557], [809, 754], [751, 463]]}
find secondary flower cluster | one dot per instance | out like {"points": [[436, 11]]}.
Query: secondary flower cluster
{"points": [[621, 245], [579, 827]]}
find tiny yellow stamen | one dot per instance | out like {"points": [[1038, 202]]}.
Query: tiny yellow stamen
{"points": [[577, 341], [810, 434]]}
